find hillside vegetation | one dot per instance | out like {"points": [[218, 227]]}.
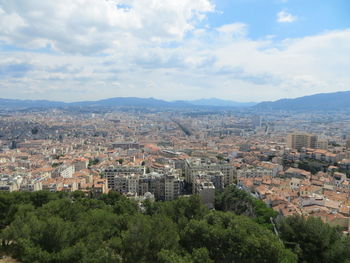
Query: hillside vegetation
{"points": [[65, 228]]}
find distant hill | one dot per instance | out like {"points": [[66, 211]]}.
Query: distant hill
{"points": [[13, 103], [113, 102], [151, 102], [132, 102], [221, 103], [322, 101], [124, 102]]}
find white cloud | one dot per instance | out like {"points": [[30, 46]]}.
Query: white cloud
{"points": [[236, 30], [91, 26], [235, 68], [146, 54], [285, 17]]}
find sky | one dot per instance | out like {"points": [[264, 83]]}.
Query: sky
{"points": [[241, 50]]}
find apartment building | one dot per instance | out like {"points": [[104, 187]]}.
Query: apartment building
{"points": [[65, 171], [206, 191], [195, 165], [164, 186], [301, 140], [113, 171]]}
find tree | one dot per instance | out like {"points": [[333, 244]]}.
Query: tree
{"points": [[170, 256], [76, 195], [40, 198], [35, 130], [313, 240], [231, 238], [71, 227], [241, 203], [184, 209], [93, 162], [147, 236], [201, 255], [235, 200]]}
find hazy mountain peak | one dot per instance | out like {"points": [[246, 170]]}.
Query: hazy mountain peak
{"points": [[322, 101]]}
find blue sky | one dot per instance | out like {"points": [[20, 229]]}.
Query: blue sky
{"points": [[243, 50], [312, 16]]}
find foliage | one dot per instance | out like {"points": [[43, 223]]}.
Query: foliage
{"points": [[72, 227], [35, 130], [231, 238], [241, 203], [54, 165], [220, 157], [93, 162], [313, 166], [314, 241]]}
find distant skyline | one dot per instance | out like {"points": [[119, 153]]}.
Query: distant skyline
{"points": [[239, 50]]}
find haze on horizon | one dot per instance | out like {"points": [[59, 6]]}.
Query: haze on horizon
{"points": [[240, 50]]}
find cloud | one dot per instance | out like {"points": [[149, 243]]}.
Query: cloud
{"points": [[285, 17], [222, 66], [14, 68], [235, 29], [93, 26], [157, 48]]}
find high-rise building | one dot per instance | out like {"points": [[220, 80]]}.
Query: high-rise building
{"points": [[194, 165], [164, 186], [348, 143], [206, 191], [256, 121], [112, 172], [322, 144], [299, 140]]}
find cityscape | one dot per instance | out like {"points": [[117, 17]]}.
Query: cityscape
{"points": [[161, 155], [162, 131]]}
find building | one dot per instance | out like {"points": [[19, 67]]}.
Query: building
{"points": [[31, 186], [348, 143], [171, 187], [206, 191], [195, 165], [301, 140], [164, 187], [113, 171], [322, 144], [296, 173], [81, 164], [127, 145], [216, 177], [65, 171], [100, 186], [10, 183]]}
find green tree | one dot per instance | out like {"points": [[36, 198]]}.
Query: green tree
{"points": [[314, 240], [71, 227], [170, 256], [201, 255], [241, 203], [148, 236], [231, 238]]}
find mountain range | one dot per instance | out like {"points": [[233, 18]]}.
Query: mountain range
{"points": [[322, 101], [317, 102], [125, 102], [221, 103]]}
